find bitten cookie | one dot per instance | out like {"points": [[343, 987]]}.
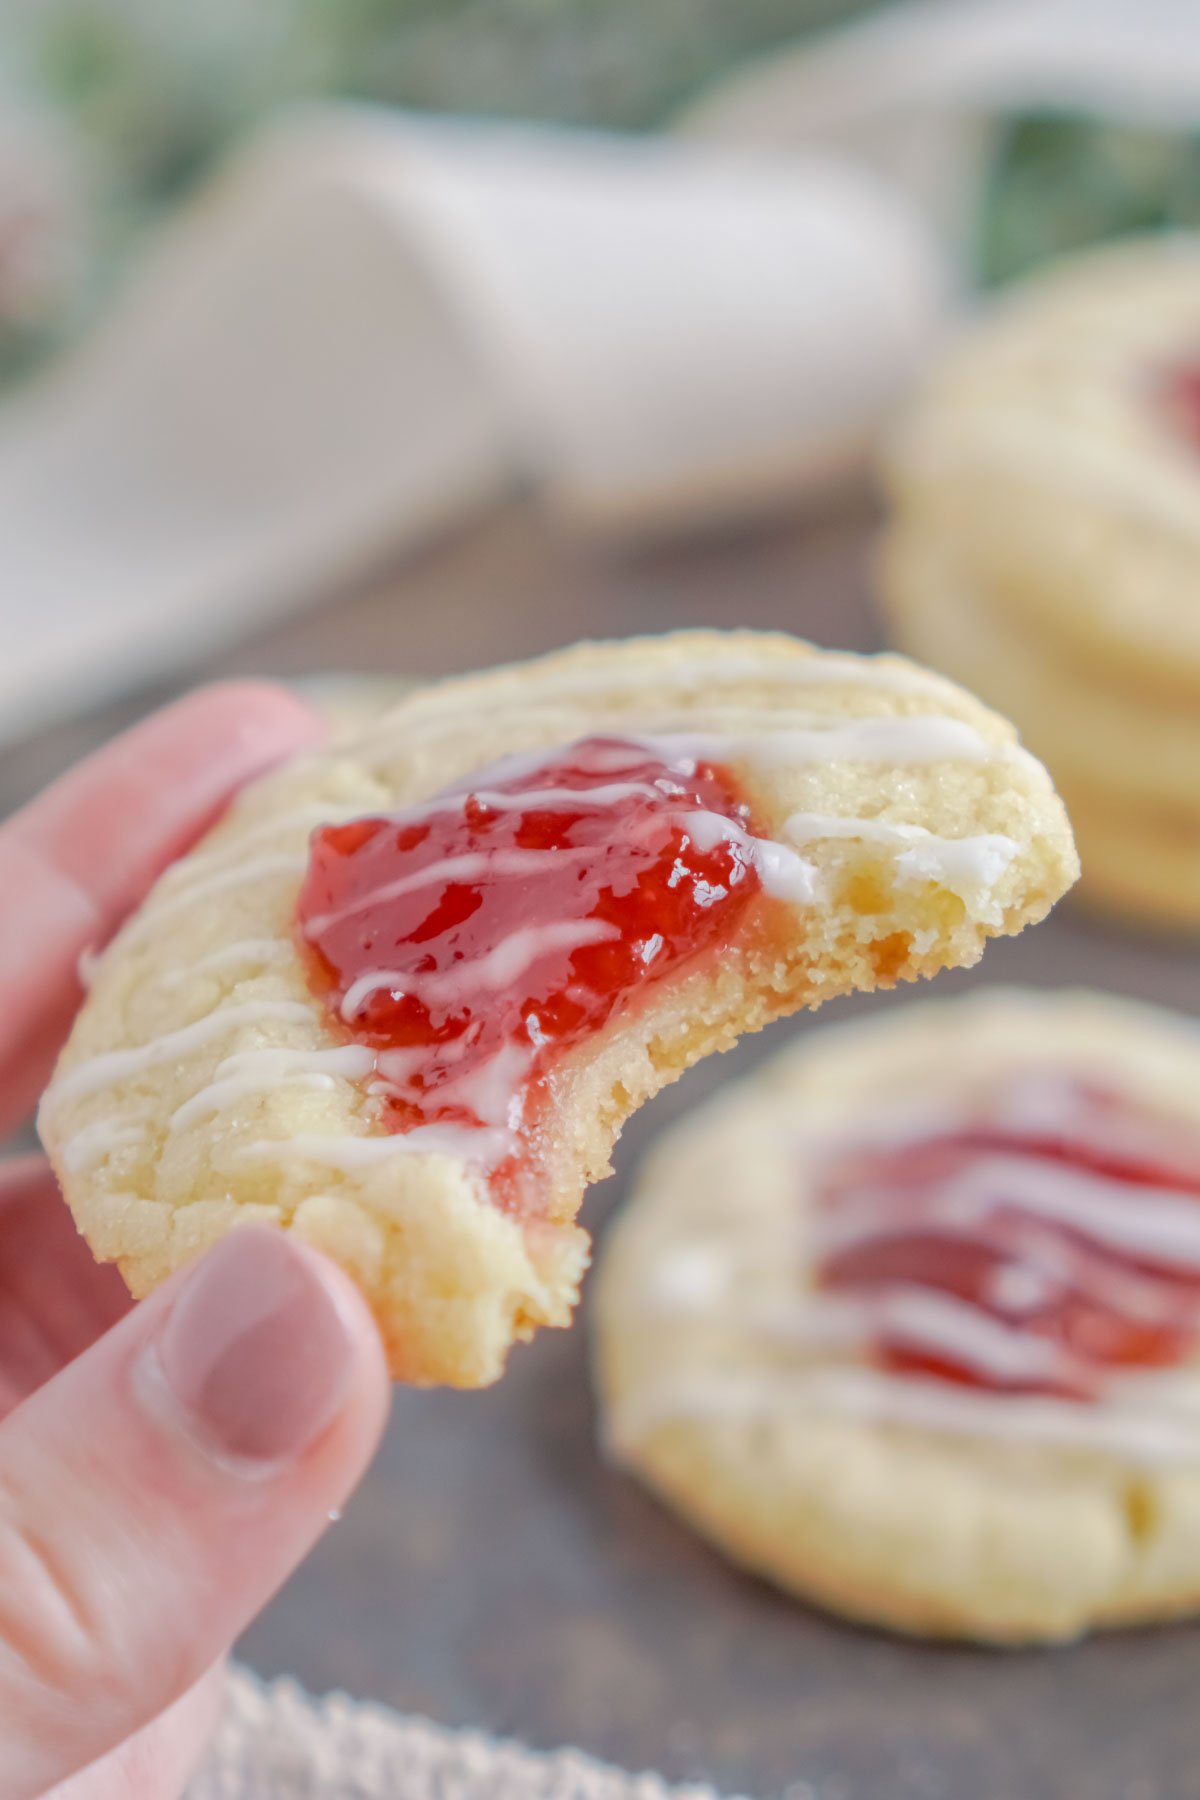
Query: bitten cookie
{"points": [[1045, 549], [402, 998], [909, 1321]]}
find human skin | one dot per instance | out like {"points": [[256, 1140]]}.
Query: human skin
{"points": [[163, 1467]]}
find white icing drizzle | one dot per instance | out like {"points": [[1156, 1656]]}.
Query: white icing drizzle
{"points": [[968, 866], [249, 1072], [922, 1317], [1033, 1101], [925, 1318], [937, 1321], [165, 905], [1158, 1225], [482, 1146], [112, 1066], [445, 711], [783, 874], [607, 755], [93, 1144], [497, 968], [1058, 1228], [563, 799], [1161, 1224], [824, 669], [1127, 1427], [908, 740], [493, 1091], [259, 953], [399, 1066], [926, 738], [471, 866]]}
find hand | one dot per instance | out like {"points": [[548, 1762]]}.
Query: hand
{"points": [[162, 1467]]}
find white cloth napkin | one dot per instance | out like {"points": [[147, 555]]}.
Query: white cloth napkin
{"points": [[372, 323], [275, 1743]]}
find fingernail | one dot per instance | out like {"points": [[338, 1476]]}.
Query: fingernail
{"points": [[255, 1353]]}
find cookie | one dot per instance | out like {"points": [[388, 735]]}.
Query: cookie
{"points": [[1059, 449], [1125, 766], [1096, 730], [1142, 863], [909, 1321], [1045, 543], [402, 998]]}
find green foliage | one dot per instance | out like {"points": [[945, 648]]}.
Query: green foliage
{"points": [[1061, 183], [161, 87], [619, 63], [153, 90]]}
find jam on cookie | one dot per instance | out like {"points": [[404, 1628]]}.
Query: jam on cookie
{"points": [[1037, 1258], [474, 940]]}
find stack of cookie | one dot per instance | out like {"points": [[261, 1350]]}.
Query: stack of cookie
{"points": [[1045, 550]]}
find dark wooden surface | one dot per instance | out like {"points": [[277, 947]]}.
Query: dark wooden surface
{"points": [[492, 1571]]}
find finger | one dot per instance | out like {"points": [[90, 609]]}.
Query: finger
{"points": [[155, 1494], [55, 1299], [157, 1763], [75, 860]]}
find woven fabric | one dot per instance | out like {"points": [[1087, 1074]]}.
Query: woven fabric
{"points": [[276, 1743]]}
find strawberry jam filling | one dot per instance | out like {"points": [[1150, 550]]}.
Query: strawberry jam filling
{"points": [[477, 939], [1179, 396], [1022, 1260]]}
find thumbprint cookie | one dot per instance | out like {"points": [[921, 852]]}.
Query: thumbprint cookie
{"points": [[403, 996], [909, 1321]]}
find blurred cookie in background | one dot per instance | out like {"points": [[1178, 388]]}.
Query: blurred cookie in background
{"points": [[1044, 548], [909, 1322]]}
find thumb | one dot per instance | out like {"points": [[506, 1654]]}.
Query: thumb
{"points": [[158, 1490]]}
